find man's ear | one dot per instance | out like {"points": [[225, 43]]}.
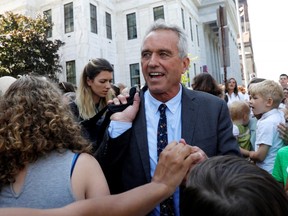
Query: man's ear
{"points": [[186, 64]]}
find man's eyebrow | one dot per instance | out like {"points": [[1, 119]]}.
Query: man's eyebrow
{"points": [[144, 50]]}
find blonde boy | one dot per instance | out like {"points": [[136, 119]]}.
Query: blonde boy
{"points": [[240, 115], [265, 99]]}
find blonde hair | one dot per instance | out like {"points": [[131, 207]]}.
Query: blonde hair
{"points": [[268, 89], [238, 109]]}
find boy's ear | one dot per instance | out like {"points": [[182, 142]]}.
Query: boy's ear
{"points": [[269, 102]]}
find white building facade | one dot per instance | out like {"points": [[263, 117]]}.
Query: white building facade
{"points": [[114, 30]]}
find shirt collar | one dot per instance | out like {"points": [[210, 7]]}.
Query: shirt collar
{"points": [[172, 104]]}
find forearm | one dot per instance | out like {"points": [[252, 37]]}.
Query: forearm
{"points": [[255, 156], [244, 152], [139, 201]]}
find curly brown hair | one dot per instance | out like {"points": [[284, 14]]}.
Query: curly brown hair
{"points": [[34, 121]]}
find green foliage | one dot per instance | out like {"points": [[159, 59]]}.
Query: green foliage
{"points": [[24, 47]]}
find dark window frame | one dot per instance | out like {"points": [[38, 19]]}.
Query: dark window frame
{"points": [[157, 12], [69, 17], [108, 25], [134, 74], [71, 71], [131, 26], [93, 19], [48, 15]]}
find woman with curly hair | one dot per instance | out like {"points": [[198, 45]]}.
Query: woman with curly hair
{"points": [[44, 160], [95, 83]]}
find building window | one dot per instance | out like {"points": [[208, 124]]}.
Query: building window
{"points": [[71, 72], [113, 74], [191, 28], [68, 17], [93, 18], [131, 26], [108, 26], [48, 17], [134, 74], [183, 18], [158, 13], [197, 35]]}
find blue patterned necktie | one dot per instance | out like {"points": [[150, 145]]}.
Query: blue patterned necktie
{"points": [[167, 206]]}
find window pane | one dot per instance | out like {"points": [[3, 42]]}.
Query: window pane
{"points": [[93, 18], [48, 16], [183, 18], [197, 35], [134, 74], [158, 12], [68, 17], [191, 28], [71, 72], [131, 26], [108, 26]]}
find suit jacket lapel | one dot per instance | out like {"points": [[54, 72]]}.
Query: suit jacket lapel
{"points": [[189, 115], [141, 136]]}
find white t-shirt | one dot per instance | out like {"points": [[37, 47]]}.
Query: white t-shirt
{"points": [[267, 133], [233, 97]]}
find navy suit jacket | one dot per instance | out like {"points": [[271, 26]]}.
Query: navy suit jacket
{"points": [[206, 123]]}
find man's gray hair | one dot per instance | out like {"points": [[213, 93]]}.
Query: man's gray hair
{"points": [[160, 24]]}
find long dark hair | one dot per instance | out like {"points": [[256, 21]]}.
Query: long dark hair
{"points": [[205, 82], [236, 86]]}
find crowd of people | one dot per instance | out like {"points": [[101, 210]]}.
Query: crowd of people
{"points": [[164, 154]]}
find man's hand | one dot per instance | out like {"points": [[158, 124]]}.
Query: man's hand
{"points": [[130, 112], [199, 156], [283, 132], [174, 163]]}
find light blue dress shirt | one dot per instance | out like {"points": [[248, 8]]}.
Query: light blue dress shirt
{"points": [[173, 115]]}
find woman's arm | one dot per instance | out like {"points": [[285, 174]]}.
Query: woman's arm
{"points": [[174, 163], [88, 180]]}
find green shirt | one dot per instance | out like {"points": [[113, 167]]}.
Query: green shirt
{"points": [[280, 171], [244, 137]]}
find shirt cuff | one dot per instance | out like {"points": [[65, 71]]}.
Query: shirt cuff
{"points": [[116, 128]]}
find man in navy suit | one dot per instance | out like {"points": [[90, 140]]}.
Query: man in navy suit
{"points": [[128, 155]]}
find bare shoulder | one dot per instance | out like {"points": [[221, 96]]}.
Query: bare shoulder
{"points": [[88, 180], [87, 161]]}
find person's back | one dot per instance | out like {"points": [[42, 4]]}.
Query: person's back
{"points": [[232, 186], [39, 139], [38, 190]]}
